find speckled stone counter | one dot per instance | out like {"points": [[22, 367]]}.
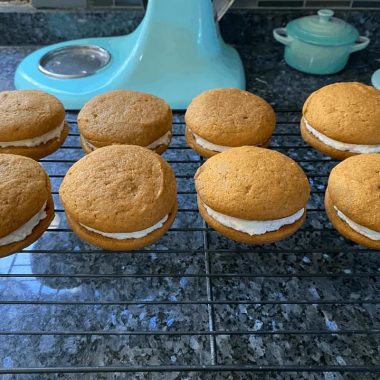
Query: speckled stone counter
{"points": [[305, 303]]}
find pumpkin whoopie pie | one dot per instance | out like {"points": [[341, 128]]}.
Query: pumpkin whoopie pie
{"points": [[32, 123], [252, 195], [343, 120], [352, 199], [120, 197], [125, 117], [218, 120], [26, 204]]}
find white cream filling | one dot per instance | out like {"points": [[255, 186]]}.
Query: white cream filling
{"points": [[129, 235], [35, 141], [163, 140], [209, 145], [370, 234], [253, 227], [354, 148], [25, 230], [88, 144]]}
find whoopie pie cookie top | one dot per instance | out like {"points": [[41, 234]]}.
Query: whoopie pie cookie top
{"points": [[119, 188], [354, 188], [348, 112], [252, 183], [231, 117], [25, 114], [125, 117], [24, 188]]}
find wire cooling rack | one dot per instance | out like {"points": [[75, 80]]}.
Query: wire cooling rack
{"points": [[194, 302]]}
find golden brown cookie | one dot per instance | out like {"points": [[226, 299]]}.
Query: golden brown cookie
{"points": [[125, 117], [32, 123], [343, 120], [352, 199], [26, 205], [252, 195], [120, 197], [218, 120]]}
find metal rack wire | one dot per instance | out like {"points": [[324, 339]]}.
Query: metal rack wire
{"points": [[194, 302]]}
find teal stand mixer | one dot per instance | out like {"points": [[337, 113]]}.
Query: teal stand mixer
{"points": [[175, 53]]}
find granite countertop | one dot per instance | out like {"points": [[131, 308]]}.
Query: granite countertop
{"points": [[307, 301]]}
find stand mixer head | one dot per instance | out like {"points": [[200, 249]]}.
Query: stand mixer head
{"points": [[175, 53]]}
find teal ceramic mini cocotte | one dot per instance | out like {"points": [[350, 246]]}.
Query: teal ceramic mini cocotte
{"points": [[319, 44]]}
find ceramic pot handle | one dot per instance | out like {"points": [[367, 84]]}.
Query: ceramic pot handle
{"points": [[361, 43], [281, 35]]}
